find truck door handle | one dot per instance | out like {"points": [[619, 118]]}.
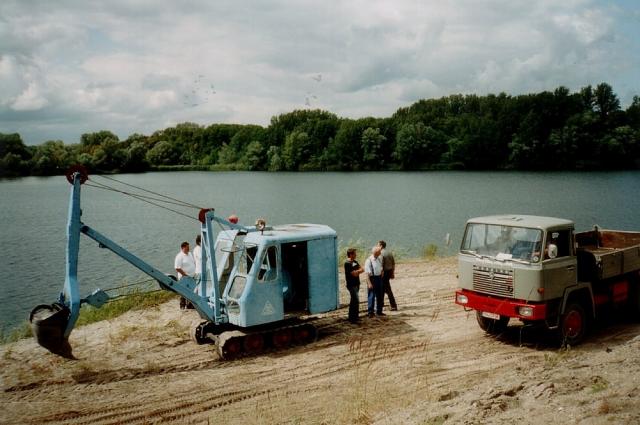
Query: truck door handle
{"points": [[571, 268]]}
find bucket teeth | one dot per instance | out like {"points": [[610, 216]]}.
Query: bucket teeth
{"points": [[48, 323]]}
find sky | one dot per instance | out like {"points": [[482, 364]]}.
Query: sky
{"points": [[69, 67]]}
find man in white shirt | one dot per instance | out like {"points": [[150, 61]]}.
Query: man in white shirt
{"points": [[185, 266], [184, 262], [373, 267], [197, 257]]}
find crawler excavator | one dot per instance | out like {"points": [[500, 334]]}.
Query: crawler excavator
{"points": [[260, 285]]}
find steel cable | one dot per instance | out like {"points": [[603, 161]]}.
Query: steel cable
{"points": [[183, 203], [142, 198], [130, 285]]}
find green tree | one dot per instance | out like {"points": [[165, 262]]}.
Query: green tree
{"points": [[344, 152], [254, 157], [372, 148], [633, 113], [605, 100], [12, 143], [109, 156], [97, 138], [14, 155], [51, 158], [135, 157], [304, 120], [297, 150], [418, 145], [274, 159], [227, 155], [163, 153]]}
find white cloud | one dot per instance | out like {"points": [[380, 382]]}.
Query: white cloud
{"points": [[136, 66], [30, 100]]}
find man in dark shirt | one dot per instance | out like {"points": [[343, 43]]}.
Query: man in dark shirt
{"points": [[389, 266], [352, 271]]}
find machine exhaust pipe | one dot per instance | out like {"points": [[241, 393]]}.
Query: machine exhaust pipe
{"points": [[48, 323]]}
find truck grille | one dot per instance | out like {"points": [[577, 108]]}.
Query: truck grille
{"points": [[493, 281]]}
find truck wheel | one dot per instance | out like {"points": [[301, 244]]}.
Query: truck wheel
{"points": [[634, 301], [573, 325], [492, 326]]}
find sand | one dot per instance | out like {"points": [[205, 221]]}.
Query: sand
{"points": [[427, 363]]}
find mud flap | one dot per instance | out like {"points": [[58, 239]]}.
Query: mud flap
{"points": [[48, 323]]}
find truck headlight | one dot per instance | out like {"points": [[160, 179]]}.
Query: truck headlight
{"points": [[525, 310], [462, 299]]}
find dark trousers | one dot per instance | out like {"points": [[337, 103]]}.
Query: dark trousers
{"points": [[354, 303], [377, 293], [386, 284]]}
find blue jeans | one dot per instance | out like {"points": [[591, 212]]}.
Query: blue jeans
{"points": [[354, 303], [377, 293]]}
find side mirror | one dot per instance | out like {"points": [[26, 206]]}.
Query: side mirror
{"points": [[553, 250]]}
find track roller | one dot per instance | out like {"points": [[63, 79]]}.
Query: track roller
{"points": [[230, 345], [253, 343], [304, 334]]}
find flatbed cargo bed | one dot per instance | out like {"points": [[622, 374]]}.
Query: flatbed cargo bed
{"points": [[603, 254]]}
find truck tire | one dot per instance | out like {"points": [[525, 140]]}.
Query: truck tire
{"points": [[633, 307], [492, 326], [573, 325]]}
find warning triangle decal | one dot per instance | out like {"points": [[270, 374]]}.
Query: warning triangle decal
{"points": [[268, 309]]}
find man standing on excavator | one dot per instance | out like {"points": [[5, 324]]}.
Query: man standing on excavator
{"points": [[185, 265]]}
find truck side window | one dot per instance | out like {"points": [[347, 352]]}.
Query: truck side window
{"points": [[268, 268], [562, 240]]}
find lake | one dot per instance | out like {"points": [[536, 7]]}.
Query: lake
{"points": [[407, 209]]}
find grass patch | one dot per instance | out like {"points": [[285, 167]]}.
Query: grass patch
{"points": [[598, 384], [136, 300], [400, 253], [552, 360], [430, 251], [363, 250], [21, 331], [132, 301]]}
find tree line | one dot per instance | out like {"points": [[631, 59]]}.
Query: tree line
{"points": [[559, 130]]}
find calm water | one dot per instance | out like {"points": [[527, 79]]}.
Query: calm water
{"points": [[408, 210]]}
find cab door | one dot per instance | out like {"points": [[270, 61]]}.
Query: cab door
{"points": [[263, 303], [323, 275], [559, 272]]}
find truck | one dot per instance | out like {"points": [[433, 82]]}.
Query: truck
{"points": [[541, 271], [260, 285]]}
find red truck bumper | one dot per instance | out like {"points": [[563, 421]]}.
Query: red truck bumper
{"points": [[502, 306]]}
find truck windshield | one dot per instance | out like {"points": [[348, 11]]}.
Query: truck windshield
{"points": [[502, 242]]}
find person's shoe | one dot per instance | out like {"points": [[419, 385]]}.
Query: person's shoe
{"points": [[381, 314], [354, 322], [394, 309], [370, 314]]}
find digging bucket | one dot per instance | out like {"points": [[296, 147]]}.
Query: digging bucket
{"points": [[48, 323]]}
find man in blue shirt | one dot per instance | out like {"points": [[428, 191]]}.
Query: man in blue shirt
{"points": [[352, 271]]}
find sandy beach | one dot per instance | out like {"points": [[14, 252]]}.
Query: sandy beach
{"points": [[427, 363]]}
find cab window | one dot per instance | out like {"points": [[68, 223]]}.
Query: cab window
{"points": [[268, 267], [562, 240]]}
